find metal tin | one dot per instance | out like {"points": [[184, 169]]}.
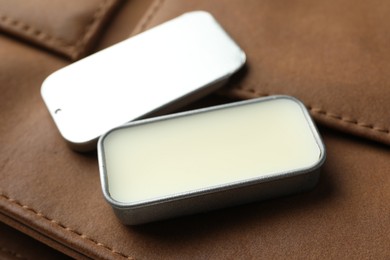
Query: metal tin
{"points": [[262, 185], [150, 73]]}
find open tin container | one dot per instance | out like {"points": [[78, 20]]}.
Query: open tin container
{"points": [[210, 158]]}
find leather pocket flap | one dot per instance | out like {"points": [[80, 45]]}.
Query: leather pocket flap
{"points": [[67, 27], [332, 55]]}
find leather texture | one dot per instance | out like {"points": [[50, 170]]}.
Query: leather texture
{"points": [[16, 245], [332, 55], [66, 27]]}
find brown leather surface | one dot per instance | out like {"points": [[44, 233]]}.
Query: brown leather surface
{"points": [[16, 245], [333, 55], [53, 194], [67, 27]]}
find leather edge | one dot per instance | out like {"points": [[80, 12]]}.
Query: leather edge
{"points": [[325, 116], [63, 238]]}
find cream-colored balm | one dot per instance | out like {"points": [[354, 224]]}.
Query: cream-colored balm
{"points": [[205, 159]]}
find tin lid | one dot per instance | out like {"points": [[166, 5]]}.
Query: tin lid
{"points": [[181, 59]]}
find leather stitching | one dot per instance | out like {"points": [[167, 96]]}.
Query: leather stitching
{"points": [[318, 111], [356, 122], [331, 115], [73, 49], [39, 214], [96, 18], [31, 31], [98, 15]]}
